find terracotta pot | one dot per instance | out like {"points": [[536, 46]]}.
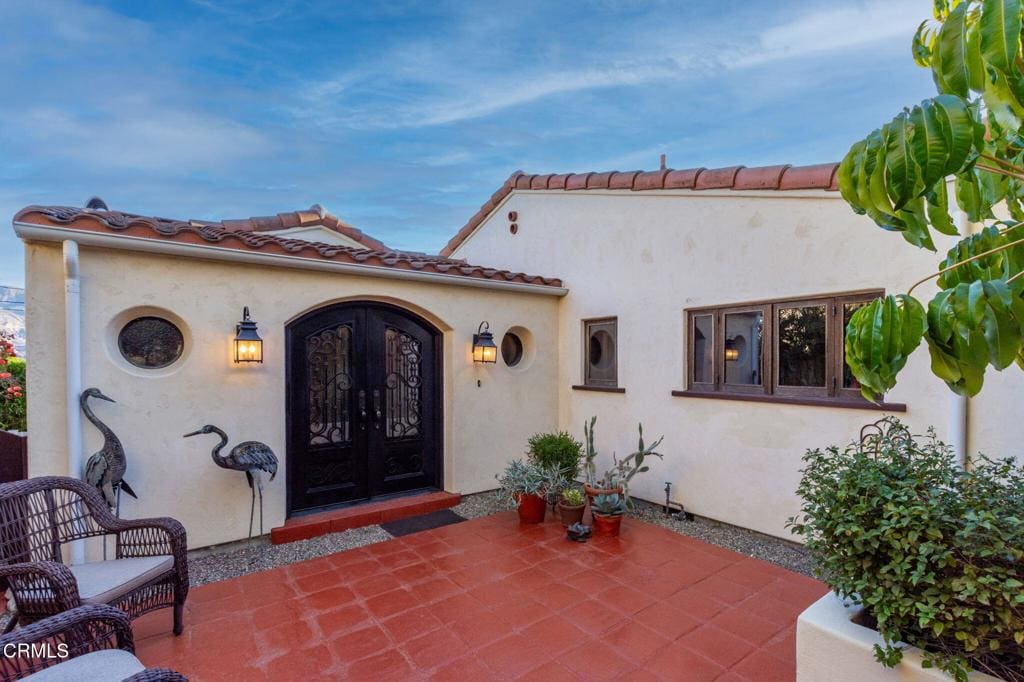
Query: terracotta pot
{"points": [[607, 525], [571, 515], [532, 508]]}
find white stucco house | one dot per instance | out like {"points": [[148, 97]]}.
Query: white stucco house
{"points": [[706, 303]]}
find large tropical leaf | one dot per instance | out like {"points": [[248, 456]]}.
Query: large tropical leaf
{"points": [[1005, 261], [879, 338], [1000, 33]]}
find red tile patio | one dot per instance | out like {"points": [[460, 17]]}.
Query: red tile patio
{"points": [[490, 599]]}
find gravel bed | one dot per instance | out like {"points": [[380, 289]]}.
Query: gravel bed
{"points": [[481, 504], [230, 561]]}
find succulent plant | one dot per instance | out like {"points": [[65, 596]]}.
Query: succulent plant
{"points": [[526, 478], [611, 504], [573, 497], [622, 470]]}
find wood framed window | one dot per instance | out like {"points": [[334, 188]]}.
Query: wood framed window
{"points": [[786, 350], [600, 353]]}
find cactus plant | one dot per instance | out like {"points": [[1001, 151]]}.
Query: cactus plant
{"points": [[622, 471]]}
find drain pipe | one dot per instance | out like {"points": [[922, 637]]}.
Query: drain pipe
{"points": [[959, 414], [73, 369]]}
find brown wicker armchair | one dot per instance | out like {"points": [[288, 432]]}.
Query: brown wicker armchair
{"points": [[91, 642], [40, 515]]}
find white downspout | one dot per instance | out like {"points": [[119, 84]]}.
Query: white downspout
{"points": [[959, 415], [73, 367]]}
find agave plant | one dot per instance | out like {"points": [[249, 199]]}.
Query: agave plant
{"points": [[972, 132], [609, 504]]}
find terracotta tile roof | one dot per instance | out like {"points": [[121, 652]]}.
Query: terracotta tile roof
{"points": [[821, 176], [255, 239], [315, 215]]}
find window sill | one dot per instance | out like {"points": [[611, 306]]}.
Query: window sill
{"points": [[599, 389], [789, 400]]}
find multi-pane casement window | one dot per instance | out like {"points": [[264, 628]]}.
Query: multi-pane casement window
{"points": [[784, 348]]}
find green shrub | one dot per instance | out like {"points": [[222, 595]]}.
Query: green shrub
{"points": [[935, 554], [13, 408], [557, 450]]}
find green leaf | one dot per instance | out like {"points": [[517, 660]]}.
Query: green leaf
{"points": [[879, 338], [952, 66], [927, 143], [1000, 33]]}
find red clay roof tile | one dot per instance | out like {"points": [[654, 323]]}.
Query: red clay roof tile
{"points": [[821, 176], [253, 239]]}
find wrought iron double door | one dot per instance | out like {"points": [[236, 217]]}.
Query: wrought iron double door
{"points": [[363, 405]]}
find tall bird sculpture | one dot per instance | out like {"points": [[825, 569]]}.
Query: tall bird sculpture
{"points": [[252, 457], [105, 469]]}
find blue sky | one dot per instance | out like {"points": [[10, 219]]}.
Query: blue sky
{"points": [[403, 117]]}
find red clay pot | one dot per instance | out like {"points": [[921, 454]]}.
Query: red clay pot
{"points": [[607, 525], [532, 508], [571, 515]]}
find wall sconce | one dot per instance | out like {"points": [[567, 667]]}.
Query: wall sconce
{"points": [[248, 344], [484, 349], [732, 353]]}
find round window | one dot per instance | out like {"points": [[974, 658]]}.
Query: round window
{"points": [[511, 349], [602, 349], [150, 342]]}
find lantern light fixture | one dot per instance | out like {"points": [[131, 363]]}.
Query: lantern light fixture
{"points": [[248, 344], [732, 352], [484, 349]]}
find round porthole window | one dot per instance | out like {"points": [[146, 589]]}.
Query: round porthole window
{"points": [[511, 349], [602, 349], [150, 342]]}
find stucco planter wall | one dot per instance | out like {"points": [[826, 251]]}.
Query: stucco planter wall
{"points": [[830, 646]]}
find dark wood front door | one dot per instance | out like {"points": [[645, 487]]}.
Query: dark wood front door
{"points": [[364, 408]]}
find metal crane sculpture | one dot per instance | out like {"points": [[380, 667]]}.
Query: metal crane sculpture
{"points": [[105, 469], [252, 457]]}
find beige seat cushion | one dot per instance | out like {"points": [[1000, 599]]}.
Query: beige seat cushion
{"points": [[99, 666], [101, 582]]}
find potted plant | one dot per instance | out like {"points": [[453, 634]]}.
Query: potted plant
{"points": [[556, 450], [924, 552], [615, 481], [571, 504], [608, 510], [526, 484]]}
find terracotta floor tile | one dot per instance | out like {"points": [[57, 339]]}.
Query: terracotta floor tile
{"points": [[720, 646], [411, 624], [635, 641], [754, 629], [434, 649], [537, 606], [388, 665], [666, 620], [676, 662], [554, 635], [390, 603], [552, 671], [510, 656], [764, 667], [592, 661], [468, 668]]}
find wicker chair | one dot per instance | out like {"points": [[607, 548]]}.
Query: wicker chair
{"points": [[40, 515], [91, 643]]}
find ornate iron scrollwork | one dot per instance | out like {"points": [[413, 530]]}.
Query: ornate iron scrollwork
{"points": [[328, 361], [403, 383]]}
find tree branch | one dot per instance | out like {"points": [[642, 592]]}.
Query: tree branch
{"points": [[965, 262]]}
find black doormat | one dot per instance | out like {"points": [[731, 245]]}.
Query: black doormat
{"points": [[415, 524]]}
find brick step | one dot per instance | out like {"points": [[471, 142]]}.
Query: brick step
{"points": [[305, 527]]}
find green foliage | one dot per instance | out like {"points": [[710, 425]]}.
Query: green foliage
{"points": [[558, 450], [527, 478], [573, 497], [622, 470], [934, 553], [611, 504], [898, 175], [879, 338], [13, 406]]}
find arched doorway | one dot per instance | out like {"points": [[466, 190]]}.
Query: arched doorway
{"points": [[363, 405]]}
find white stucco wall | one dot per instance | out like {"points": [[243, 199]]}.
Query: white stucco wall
{"points": [[483, 426], [645, 258]]}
